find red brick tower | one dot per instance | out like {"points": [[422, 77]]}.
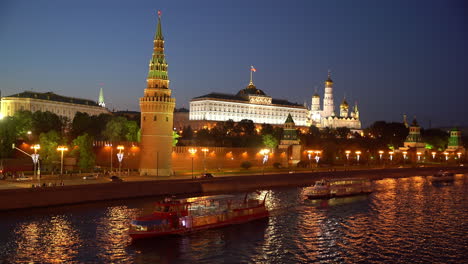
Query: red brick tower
{"points": [[157, 108]]}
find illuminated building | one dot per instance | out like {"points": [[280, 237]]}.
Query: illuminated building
{"points": [[326, 117], [157, 108], [249, 103], [51, 102]]}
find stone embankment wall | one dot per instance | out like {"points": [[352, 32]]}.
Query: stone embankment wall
{"points": [[61, 195]]}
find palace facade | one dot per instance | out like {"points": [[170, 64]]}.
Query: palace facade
{"points": [[58, 104], [249, 103]]}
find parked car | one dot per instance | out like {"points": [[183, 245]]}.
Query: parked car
{"points": [[90, 177], [115, 179], [23, 178], [207, 176]]}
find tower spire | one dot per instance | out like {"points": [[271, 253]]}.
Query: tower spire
{"points": [[159, 35], [101, 98]]}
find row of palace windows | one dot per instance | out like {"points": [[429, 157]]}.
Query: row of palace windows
{"points": [[56, 110]]}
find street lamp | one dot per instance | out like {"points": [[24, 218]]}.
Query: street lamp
{"points": [[62, 149], [205, 150], [35, 157], [391, 155], [120, 156], [358, 154], [192, 153], [381, 152], [419, 156], [433, 154], [317, 156], [404, 156], [110, 145], [347, 154], [446, 155], [309, 155], [264, 152], [459, 155]]}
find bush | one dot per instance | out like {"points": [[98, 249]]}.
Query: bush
{"points": [[277, 165], [246, 165]]}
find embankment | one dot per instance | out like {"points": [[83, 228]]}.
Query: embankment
{"points": [[61, 195]]}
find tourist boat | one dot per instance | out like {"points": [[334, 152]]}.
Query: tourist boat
{"points": [[182, 216], [330, 188], [443, 176]]}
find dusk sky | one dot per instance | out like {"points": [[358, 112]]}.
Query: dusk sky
{"points": [[392, 57]]}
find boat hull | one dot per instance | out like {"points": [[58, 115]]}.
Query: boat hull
{"points": [[183, 231], [334, 195]]}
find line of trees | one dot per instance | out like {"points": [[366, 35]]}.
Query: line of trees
{"points": [[50, 130]]}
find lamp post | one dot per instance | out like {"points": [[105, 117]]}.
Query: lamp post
{"points": [[62, 149], [404, 156], [358, 154], [110, 145], [391, 155], [192, 153], [317, 156], [264, 152], [347, 152], [120, 157], [205, 150], [381, 152], [419, 156], [35, 157], [309, 155], [433, 154], [446, 155]]}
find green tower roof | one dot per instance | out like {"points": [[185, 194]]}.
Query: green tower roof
{"points": [[159, 35], [289, 119]]}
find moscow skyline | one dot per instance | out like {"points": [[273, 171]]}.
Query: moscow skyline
{"points": [[392, 58]]}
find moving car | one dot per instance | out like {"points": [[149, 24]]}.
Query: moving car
{"points": [[115, 179], [207, 176], [90, 177]]}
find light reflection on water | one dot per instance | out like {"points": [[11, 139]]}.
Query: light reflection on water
{"points": [[404, 220]]}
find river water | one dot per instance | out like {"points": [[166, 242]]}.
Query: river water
{"points": [[405, 220]]}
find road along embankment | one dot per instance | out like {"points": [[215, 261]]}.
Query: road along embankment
{"points": [[61, 195]]}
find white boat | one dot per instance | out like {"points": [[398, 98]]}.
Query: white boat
{"points": [[329, 188]]}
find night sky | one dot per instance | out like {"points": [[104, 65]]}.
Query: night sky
{"points": [[393, 57]]}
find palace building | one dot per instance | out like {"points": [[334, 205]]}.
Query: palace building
{"points": [[58, 104], [249, 103]]}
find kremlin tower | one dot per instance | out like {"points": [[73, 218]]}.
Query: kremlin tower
{"points": [[328, 108], [157, 108]]}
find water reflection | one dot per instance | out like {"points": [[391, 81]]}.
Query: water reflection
{"points": [[52, 240], [403, 220]]}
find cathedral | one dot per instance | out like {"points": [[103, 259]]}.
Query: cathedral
{"points": [[325, 116]]}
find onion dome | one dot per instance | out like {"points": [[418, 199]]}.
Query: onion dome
{"points": [[344, 104], [316, 95]]}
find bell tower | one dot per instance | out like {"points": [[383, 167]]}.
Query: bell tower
{"points": [[328, 107], [157, 110]]}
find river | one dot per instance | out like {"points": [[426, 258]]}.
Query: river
{"points": [[406, 220]]}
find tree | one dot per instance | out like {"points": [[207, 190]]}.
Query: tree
{"points": [[175, 139], [267, 129], [436, 138], [24, 122], [187, 132], [8, 135], [43, 122], [343, 132], [83, 150], [131, 131], [48, 151], [270, 141]]}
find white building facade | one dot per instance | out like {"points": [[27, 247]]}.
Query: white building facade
{"points": [[249, 103], [54, 103]]}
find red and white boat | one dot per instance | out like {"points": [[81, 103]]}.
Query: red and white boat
{"points": [[182, 216]]}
